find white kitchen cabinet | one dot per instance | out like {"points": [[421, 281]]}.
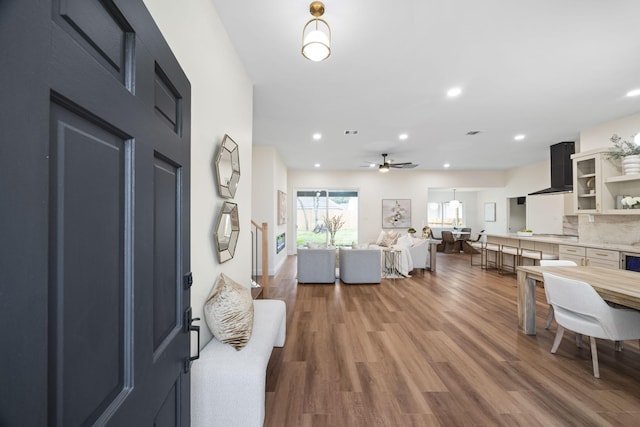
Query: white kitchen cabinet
{"points": [[590, 256]]}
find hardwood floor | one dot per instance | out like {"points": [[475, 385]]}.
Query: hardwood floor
{"points": [[441, 349]]}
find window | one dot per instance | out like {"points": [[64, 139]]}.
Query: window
{"points": [[313, 206], [440, 214]]}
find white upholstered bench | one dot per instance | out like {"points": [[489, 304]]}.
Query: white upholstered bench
{"points": [[228, 386]]}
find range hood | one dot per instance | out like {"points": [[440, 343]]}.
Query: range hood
{"points": [[561, 168]]}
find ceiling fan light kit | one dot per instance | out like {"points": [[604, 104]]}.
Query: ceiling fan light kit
{"points": [[316, 35], [388, 164]]}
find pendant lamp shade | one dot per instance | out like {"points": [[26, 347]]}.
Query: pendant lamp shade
{"points": [[316, 35], [455, 204]]}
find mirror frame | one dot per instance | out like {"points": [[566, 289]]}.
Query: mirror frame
{"points": [[227, 185], [227, 249]]}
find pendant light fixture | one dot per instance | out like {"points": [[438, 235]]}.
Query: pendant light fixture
{"points": [[316, 35], [455, 204]]}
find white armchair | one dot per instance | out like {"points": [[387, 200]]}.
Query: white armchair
{"points": [[316, 265], [420, 254]]}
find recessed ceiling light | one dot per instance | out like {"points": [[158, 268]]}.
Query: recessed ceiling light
{"points": [[519, 137], [454, 91], [317, 136], [403, 136], [634, 92], [372, 165], [446, 165], [317, 165]]}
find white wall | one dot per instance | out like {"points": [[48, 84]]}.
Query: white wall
{"points": [[221, 102], [269, 176], [598, 136], [374, 186]]}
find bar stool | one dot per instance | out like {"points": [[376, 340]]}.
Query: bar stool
{"points": [[479, 246], [535, 256], [492, 248], [514, 253]]}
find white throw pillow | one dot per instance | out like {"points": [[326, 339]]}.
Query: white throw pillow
{"points": [[387, 238], [229, 312]]}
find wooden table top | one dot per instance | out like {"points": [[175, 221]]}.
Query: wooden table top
{"points": [[619, 286]]}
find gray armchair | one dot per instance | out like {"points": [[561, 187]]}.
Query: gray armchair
{"points": [[316, 265], [360, 265]]}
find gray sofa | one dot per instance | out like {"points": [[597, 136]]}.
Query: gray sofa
{"points": [[360, 265]]}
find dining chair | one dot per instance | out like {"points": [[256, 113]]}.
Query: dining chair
{"points": [[466, 233], [450, 244], [557, 263], [579, 308]]}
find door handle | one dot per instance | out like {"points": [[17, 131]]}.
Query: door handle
{"points": [[189, 327]]}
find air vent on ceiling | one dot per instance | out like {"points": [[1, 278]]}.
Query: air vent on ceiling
{"points": [[350, 132], [473, 132]]}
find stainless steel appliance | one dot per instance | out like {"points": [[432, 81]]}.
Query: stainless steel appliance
{"points": [[630, 261]]}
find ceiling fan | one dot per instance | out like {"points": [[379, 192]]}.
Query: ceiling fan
{"points": [[387, 164]]}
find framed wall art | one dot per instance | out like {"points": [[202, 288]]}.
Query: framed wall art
{"points": [[396, 213], [490, 212], [282, 207]]}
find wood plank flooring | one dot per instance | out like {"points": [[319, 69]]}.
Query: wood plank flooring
{"points": [[439, 349]]}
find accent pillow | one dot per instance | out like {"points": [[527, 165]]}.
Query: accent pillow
{"points": [[387, 238], [229, 312]]}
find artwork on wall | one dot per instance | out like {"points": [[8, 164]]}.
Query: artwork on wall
{"points": [[282, 208], [490, 212], [280, 243], [228, 168], [396, 213]]}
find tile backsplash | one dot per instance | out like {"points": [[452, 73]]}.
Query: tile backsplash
{"points": [[617, 229]]}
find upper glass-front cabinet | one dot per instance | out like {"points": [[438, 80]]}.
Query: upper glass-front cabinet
{"points": [[599, 184]]}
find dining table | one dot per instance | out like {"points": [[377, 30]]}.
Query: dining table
{"points": [[617, 286], [458, 234]]}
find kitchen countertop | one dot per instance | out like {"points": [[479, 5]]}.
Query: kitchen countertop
{"points": [[570, 240]]}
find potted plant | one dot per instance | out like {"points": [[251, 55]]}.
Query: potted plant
{"points": [[411, 231], [333, 224], [627, 151]]}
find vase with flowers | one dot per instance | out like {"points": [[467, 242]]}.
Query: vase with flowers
{"points": [[333, 224], [627, 151]]}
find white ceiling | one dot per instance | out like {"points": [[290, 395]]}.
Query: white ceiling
{"points": [[545, 68]]}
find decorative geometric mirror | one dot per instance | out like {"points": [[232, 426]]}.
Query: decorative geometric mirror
{"points": [[228, 168], [227, 231]]}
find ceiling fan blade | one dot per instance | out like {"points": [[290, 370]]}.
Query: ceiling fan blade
{"points": [[403, 165]]}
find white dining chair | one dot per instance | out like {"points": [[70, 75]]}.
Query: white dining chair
{"points": [[557, 263], [579, 308]]}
